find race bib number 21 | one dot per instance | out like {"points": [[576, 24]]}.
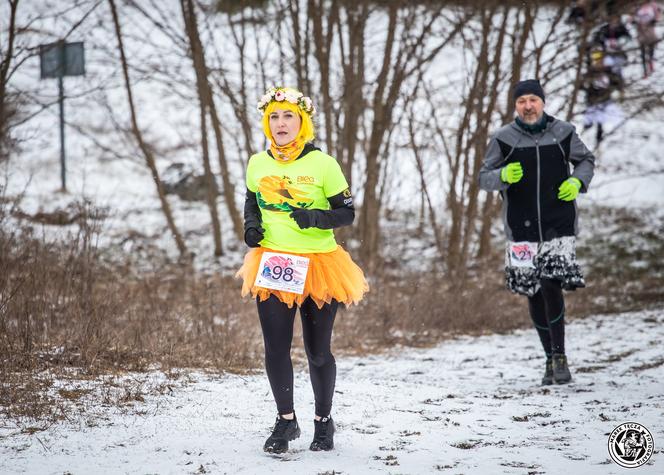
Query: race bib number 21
{"points": [[522, 253], [279, 271]]}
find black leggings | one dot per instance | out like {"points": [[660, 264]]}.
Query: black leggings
{"points": [[547, 309], [277, 324]]}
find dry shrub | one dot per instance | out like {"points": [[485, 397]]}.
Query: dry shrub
{"points": [[623, 261], [419, 311], [61, 304]]}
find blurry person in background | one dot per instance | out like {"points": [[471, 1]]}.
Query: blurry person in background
{"points": [[645, 17], [581, 10], [614, 37], [600, 108]]}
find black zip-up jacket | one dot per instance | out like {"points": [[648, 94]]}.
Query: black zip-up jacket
{"points": [[532, 210]]}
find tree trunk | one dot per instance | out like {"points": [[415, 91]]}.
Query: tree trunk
{"points": [[578, 78], [202, 78], [489, 206], [4, 75], [353, 103], [369, 217], [518, 58], [485, 105], [488, 214], [210, 183], [438, 236], [147, 152], [322, 46], [211, 195]]}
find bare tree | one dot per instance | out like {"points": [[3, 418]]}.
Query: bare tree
{"points": [[7, 106], [404, 56], [323, 34], [433, 221], [241, 26], [366, 64], [207, 97], [145, 149], [352, 51], [498, 55], [198, 59]]}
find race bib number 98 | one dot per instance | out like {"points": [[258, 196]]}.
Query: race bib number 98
{"points": [[280, 271], [522, 253]]}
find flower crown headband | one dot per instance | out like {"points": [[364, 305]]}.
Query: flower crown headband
{"points": [[288, 94]]}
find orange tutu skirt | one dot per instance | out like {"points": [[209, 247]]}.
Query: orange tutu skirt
{"points": [[331, 276]]}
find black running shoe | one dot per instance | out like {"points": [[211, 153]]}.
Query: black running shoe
{"points": [[561, 374], [323, 435], [547, 379], [284, 431]]}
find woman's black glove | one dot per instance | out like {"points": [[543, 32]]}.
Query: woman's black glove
{"points": [[253, 236], [253, 232], [305, 218], [341, 214]]}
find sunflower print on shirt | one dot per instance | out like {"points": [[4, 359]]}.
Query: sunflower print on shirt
{"points": [[279, 194]]}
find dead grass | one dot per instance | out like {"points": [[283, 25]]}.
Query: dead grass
{"points": [[625, 261], [62, 306], [66, 313]]}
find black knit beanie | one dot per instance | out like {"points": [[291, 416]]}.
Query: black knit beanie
{"points": [[529, 86]]}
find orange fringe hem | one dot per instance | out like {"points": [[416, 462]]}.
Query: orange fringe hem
{"points": [[331, 276]]}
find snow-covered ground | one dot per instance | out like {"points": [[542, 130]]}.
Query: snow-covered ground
{"points": [[471, 405]]}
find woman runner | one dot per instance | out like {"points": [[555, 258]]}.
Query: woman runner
{"points": [[296, 195]]}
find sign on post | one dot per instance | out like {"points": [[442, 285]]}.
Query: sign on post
{"points": [[57, 60], [62, 59]]}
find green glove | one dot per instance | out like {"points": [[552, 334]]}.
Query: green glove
{"points": [[569, 189], [511, 173]]}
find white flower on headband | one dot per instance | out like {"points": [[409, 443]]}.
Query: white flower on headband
{"points": [[308, 104], [292, 96], [288, 94]]}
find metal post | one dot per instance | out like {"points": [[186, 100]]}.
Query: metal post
{"points": [[62, 134], [61, 88], [57, 60]]}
